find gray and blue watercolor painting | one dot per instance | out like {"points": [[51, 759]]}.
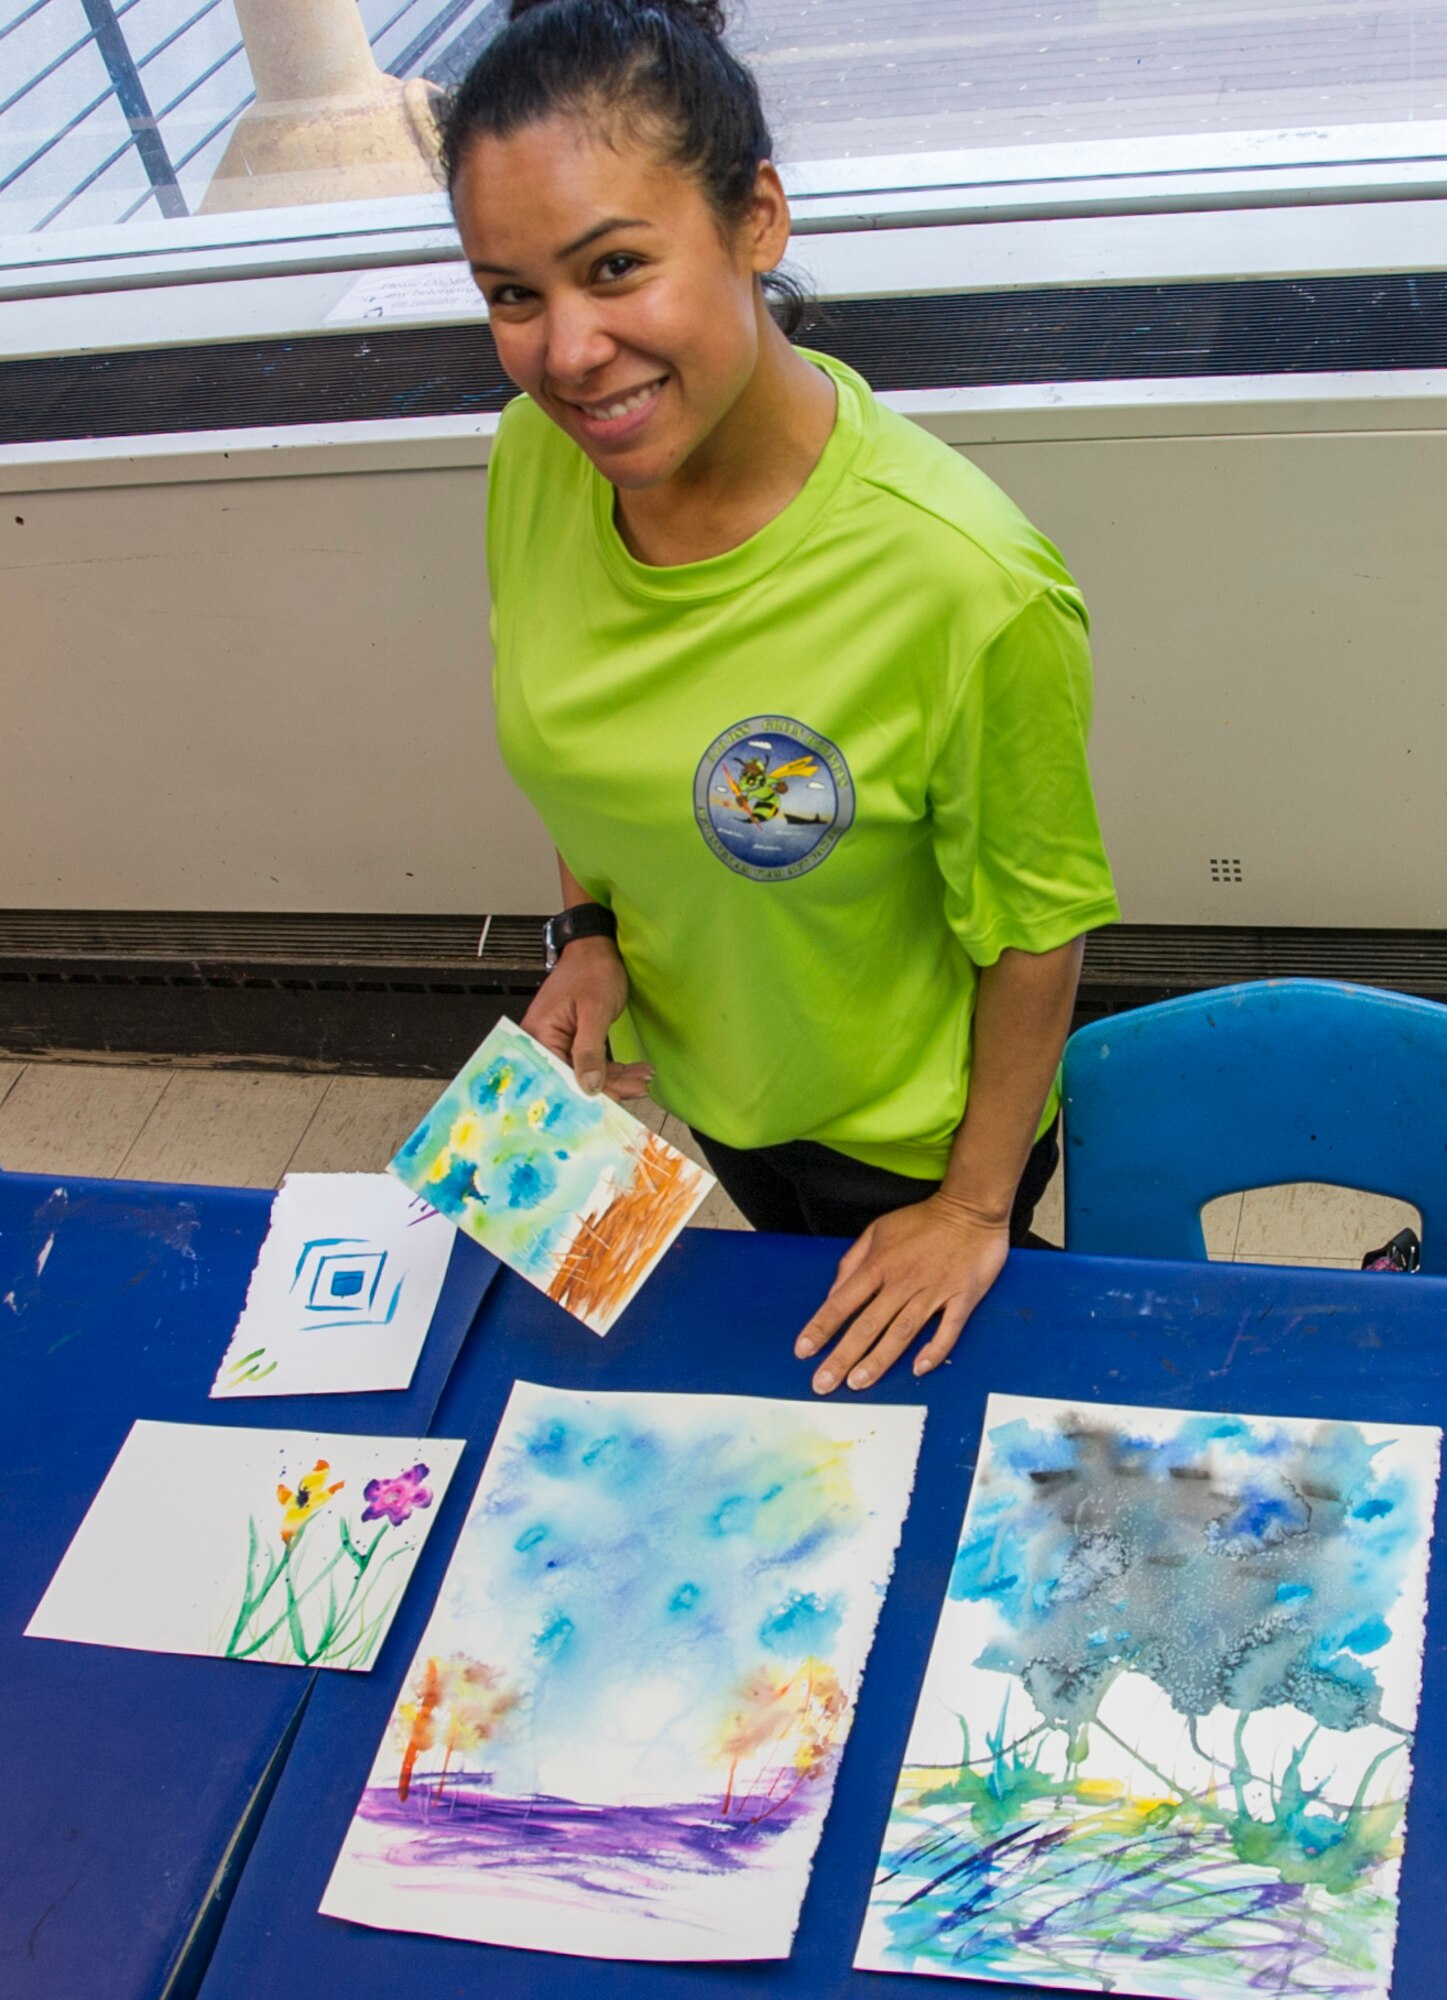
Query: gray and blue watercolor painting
{"points": [[1181, 1658]]}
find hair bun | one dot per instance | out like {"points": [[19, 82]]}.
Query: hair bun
{"points": [[705, 14]]}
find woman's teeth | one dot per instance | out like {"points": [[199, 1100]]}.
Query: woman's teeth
{"points": [[602, 412]]}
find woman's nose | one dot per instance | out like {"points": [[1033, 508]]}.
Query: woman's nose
{"points": [[578, 344]]}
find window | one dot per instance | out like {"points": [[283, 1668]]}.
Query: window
{"points": [[303, 116], [917, 76]]}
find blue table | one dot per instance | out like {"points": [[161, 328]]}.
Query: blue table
{"points": [[720, 1315], [131, 1779]]}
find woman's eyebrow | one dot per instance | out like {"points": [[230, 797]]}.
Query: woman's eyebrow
{"points": [[571, 249]]}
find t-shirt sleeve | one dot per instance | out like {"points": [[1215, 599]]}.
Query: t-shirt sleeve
{"points": [[1014, 823]]}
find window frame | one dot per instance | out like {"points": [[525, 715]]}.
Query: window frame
{"points": [[1184, 172]]}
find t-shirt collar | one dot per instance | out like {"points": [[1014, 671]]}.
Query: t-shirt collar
{"points": [[736, 568]]}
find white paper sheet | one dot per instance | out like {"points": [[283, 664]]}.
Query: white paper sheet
{"points": [[569, 1191], [343, 1291], [410, 291], [292, 1547], [1164, 1743], [619, 1736]]}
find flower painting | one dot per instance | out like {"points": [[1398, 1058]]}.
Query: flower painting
{"points": [[283, 1613], [291, 1547], [1164, 1744], [620, 1734], [569, 1191]]}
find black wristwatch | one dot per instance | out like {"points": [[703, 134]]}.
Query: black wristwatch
{"points": [[584, 920]]}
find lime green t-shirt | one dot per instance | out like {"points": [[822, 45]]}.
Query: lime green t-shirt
{"points": [[820, 779]]}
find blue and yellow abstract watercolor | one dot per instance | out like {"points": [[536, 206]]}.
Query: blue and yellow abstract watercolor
{"points": [[567, 1190], [1164, 1743], [620, 1732]]}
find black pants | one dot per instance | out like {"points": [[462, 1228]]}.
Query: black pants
{"points": [[805, 1189]]}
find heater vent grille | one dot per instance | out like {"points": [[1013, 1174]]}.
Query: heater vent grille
{"points": [[1064, 333]]}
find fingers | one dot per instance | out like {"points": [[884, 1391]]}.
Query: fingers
{"points": [[551, 1030], [846, 1297], [590, 1050], [629, 1080], [874, 1342], [549, 1018], [855, 1255], [951, 1326]]}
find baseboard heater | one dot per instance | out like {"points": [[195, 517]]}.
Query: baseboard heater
{"points": [[412, 996], [1185, 329]]}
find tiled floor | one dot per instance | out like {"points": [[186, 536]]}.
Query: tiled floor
{"points": [[246, 1128]]}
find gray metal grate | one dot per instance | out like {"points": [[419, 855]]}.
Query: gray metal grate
{"points": [[1179, 957], [1158, 957], [269, 939]]}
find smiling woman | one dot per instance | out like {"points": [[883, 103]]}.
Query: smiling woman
{"points": [[800, 695]]}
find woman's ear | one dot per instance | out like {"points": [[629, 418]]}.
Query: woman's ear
{"points": [[768, 223]]}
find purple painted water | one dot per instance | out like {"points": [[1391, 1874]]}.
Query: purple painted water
{"points": [[610, 1849]]}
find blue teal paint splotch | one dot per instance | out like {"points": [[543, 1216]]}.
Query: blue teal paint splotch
{"points": [[1238, 1568], [620, 1733], [1182, 1654], [513, 1152], [571, 1192]]}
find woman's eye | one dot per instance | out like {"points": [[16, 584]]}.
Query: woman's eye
{"points": [[508, 295], [618, 265]]}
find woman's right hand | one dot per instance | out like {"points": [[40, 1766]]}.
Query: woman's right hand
{"points": [[575, 1007]]}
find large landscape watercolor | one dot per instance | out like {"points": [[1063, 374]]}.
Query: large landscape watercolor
{"points": [[1164, 1743], [620, 1732]]}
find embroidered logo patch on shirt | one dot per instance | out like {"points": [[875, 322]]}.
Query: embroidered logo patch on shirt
{"points": [[772, 798]]}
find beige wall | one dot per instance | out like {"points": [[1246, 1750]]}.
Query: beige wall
{"points": [[1271, 667], [251, 674], [256, 693]]}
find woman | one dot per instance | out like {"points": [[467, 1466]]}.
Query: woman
{"points": [[800, 695]]}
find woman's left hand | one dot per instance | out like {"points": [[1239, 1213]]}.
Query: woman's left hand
{"points": [[936, 1256]]}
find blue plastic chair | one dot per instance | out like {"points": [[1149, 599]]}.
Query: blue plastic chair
{"points": [[1167, 1107]]}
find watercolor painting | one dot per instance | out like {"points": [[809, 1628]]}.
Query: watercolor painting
{"points": [[343, 1291], [620, 1733], [1164, 1744], [569, 1191], [289, 1547]]}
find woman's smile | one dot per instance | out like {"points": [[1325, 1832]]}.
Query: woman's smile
{"points": [[621, 415]]}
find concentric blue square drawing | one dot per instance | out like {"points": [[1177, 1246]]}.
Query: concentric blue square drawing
{"points": [[342, 1281], [345, 1280], [343, 1290]]}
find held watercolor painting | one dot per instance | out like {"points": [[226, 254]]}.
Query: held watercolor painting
{"points": [[1164, 1743], [620, 1733], [569, 1191]]}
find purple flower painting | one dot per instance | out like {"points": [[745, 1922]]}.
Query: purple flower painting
{"points": [[395, 1499]]}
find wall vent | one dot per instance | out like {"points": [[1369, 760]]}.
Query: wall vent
{"points": [[942, 340], [413, 996]]}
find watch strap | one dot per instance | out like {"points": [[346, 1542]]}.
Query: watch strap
{"points": [[583, 920]]}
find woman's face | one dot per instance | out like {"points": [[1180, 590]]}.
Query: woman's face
{"points": [[616, 300]]}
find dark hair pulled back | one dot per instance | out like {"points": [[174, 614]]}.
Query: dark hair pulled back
{"points": [[663, 60]]}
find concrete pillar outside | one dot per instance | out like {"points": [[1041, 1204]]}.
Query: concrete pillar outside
{"points": [[327, 124]]}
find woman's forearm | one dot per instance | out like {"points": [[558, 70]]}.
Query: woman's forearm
{"points": [[573, 890], [1022, 1017]]}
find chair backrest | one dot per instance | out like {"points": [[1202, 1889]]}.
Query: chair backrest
{"points": [[1283, 1080]]}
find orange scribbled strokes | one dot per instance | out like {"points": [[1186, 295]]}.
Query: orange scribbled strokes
{"points": [[614, 1247]]}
